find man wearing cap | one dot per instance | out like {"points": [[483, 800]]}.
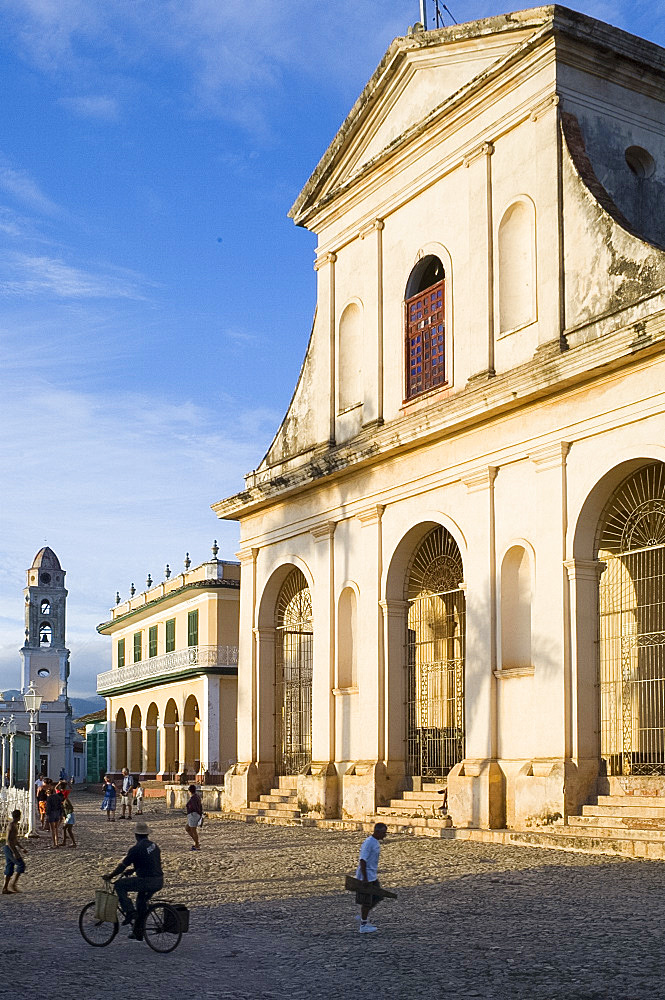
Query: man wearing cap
{"points": [[145, 857]]}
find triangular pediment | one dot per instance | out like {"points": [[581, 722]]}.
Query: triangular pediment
{"points": [[418, 74]]}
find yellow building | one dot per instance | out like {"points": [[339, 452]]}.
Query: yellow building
{"points": [[171, 692]]}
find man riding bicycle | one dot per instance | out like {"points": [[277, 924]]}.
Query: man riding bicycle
{"points": [[146, 859]]}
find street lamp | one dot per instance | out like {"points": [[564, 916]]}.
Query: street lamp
{"points": [[3, 737], [11, 729], [33, 703]]}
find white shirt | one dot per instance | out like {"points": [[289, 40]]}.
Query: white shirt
{"points": [[369, 853]]}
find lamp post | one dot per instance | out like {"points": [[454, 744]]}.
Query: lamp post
{"points": [[11, 729], [33, 703], [3, 737]]}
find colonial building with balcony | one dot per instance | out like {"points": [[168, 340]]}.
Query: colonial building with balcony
{"points": [[171, 691]]}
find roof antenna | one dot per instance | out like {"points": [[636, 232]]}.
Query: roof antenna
{"points": [[423, 14]]}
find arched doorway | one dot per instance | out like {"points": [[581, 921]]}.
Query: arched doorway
{"points": [[293, 675], [135, 764], [152, 739], [631, 544], [172, 749], [192, 726], [434, 661], [121, 739]]}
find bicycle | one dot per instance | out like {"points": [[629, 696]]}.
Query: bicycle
{"points": [[162, 929]]}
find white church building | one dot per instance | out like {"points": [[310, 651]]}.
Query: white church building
{"points": [[453, 553]]}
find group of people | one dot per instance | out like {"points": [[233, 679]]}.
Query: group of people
{"points": [[56, 810], [131, 796]]}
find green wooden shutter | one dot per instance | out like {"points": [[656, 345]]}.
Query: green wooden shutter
{"points": [[137, 647], [170, 635], [193, 628], [152, 641], [121, 652]]}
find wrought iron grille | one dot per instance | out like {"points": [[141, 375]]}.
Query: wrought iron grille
{"points": [[425, 340], [435, 658], [293, 675], [632, 625]]}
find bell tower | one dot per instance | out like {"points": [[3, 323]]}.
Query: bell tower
{"points": [[45, 657]]}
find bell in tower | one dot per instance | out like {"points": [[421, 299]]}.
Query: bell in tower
{"points": [[45, 656]]}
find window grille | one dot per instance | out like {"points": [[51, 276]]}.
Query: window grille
{"points": [[632, 625], [121, 652], [170, 635], [435, 643], [425, 340], [293, 675], [193, 628], [152, 640], [137, 647]]}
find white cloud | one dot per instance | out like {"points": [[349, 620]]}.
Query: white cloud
{"points": [[25, 189], [28, 274], [118, 485], [98, 106]]}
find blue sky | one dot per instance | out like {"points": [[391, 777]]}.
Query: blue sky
{"points": [[155, 300]]}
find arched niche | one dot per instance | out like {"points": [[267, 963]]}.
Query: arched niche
{"points": [[517, 266], [350, 357], [120, 739], [516, 601], [347, 615]]}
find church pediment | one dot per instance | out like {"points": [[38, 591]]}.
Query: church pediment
{"points": [[418, 74]]}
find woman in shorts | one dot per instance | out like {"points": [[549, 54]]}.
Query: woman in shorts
{"points": [[194, 816]]}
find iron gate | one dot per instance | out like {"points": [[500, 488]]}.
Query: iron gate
{"points": [[435, 658], [632, 625], [293, 675]]}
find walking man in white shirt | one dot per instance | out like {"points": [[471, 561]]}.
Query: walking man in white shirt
{"points": [[127, 793], [368, 871]]}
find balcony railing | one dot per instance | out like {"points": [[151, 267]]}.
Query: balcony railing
{"points": [[169, 665]]}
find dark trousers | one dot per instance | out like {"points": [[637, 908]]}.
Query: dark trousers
{"points": [[144, 888]]}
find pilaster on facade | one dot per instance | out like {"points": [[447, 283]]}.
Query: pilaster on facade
{"points": [[374, 414], [585, 569], [324, 259], [376, 226], [323, 532], [480, 479], [371, 515], [550, 456], [549, 103], [484, 149]]}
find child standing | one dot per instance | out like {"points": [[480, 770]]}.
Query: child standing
{"points": [[138, 798], [68, 825], [368, 871]]}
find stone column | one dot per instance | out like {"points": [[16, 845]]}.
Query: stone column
{"points": [[318, 790], [210, 724], [326, 307], [476, 795], [242, 783], [549, 224], [373, 378], [583, 581], [149, 737], [481, 265], [163, 763]]}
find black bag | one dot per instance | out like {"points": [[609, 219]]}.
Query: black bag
{"points": [[182, 912]]}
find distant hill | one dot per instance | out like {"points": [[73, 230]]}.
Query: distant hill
{"points": [[80, 706]]}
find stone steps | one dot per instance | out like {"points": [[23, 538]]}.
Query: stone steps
{"points": [[278, 806], [628, 811]]}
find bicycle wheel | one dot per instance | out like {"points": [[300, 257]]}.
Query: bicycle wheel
{"points": [[96, 932], [161, 929]]}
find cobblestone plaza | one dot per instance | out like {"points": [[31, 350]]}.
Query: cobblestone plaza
{"points": [[269, 919]]}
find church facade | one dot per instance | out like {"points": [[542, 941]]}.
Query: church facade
{"points": [[453, 553]]}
